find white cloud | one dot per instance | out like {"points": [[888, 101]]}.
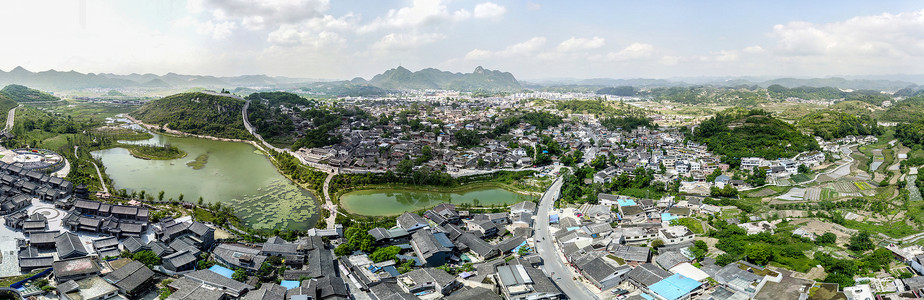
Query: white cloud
{"points": [[579, 44], [519, 49], [420, 13], [754, 49], [396, 41], [489, 10], [533, 6], [892, 35], [632, 52]]}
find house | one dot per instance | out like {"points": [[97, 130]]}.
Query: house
{"points": [[757, 227], [239, 256], [602, 273], [87, 288], [276, 246], [522, 207], [486, 227], [29, 259], [179, 262], [107, 247], [391, 236], [632, 255], [428, 280], [268, 291], [68, 245], [646, 275], [43, 240], [76, 268], [477, 246], [206, 284], [428, 248], [675, 234], [670, 259], [520, 280], [131, 279], [411, 222]]}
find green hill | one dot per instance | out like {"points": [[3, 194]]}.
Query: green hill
{"points": [[21, 93], [831, 124], [6, 104], [480, 79], [908, 110], [736, 133], [197, 113]]}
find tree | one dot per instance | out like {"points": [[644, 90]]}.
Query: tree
{"points": [[804, 169], [826, 239], [467, 138], [181, 197], [160, 196], [657, 243], [725, 259], [759, 253], [715, 174], [861, 242], [147, 257], [200, 200], [386, 253], [700, 249], [239, 274]]}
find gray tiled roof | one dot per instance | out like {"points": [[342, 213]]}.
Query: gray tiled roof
{"points": [[131, 277], [68, 245], [474, 293], [269, 291], [648, 274], [670, 259]]}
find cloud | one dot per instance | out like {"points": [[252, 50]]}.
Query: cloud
{"points": [[754, 50], [519, 49], [420, 13], [396, 41], [632, 52], [533, 6], [217, 30], [891, 35], [290, 35], [281, 11], [489, 10], [579, 44]]}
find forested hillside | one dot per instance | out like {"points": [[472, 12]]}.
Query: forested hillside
{"points": [[5, 105], [908, 110], [737, 133], [831, 124], [197, 113], [911, 134], [21, 93]]}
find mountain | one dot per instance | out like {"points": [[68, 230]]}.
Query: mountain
{"points": [[479, 79], [5, 105], [197, 113], [71, 80], [20, 93], [830, 125]]}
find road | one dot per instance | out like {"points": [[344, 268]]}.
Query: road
{"points": [[10, 119], [553, 261], [332, 219]]}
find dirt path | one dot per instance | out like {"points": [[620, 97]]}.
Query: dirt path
{"points": [[10, 119]]}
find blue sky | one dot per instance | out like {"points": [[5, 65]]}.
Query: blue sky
{"points": [[531, 39]]}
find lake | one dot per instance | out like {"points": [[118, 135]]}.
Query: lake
{"points": [[392, 202], [234, 174]]}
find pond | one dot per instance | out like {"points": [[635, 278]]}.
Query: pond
{"points": [[232, 173], [392, 202]]}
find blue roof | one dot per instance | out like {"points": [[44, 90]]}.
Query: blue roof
{"points": [[289, 284], [553, 218], [646, 296], [391, 270], [443, 240], [674, 287], [625, 202], [222, 271], [517, 249], [668, 217]]}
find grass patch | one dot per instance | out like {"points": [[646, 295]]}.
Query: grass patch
{"points": [[828, 194], [800, 178], [617, 259], [895, 230], [151, 152], [14, 279], [693, 224], [199, 162]]}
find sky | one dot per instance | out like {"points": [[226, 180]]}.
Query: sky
{"points": [[532, 39]]}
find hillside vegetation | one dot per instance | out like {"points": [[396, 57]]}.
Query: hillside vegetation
{"points": [[737, 133], [21, 93], [479, 79], [908, 110], [197, 113], [6, 104], [831, 124]]}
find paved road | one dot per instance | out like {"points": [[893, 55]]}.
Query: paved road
{"points": [[332, 219], [553, 260], [10, 119]]}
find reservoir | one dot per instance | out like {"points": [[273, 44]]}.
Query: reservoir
{"points": [[234, 174], [392, 202]]}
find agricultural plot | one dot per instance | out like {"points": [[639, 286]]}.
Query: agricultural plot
{"points": [[845, 187], [914, 194], [828, 194], [863, 185], [800, 178], [812, 194], [762, 193]]}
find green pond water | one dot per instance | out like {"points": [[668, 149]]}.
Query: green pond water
{"points": [[234, 174], [386, 202]]}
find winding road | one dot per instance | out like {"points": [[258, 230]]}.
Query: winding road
{"points": [[332, 219], [554, 262], [10, 119]]}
